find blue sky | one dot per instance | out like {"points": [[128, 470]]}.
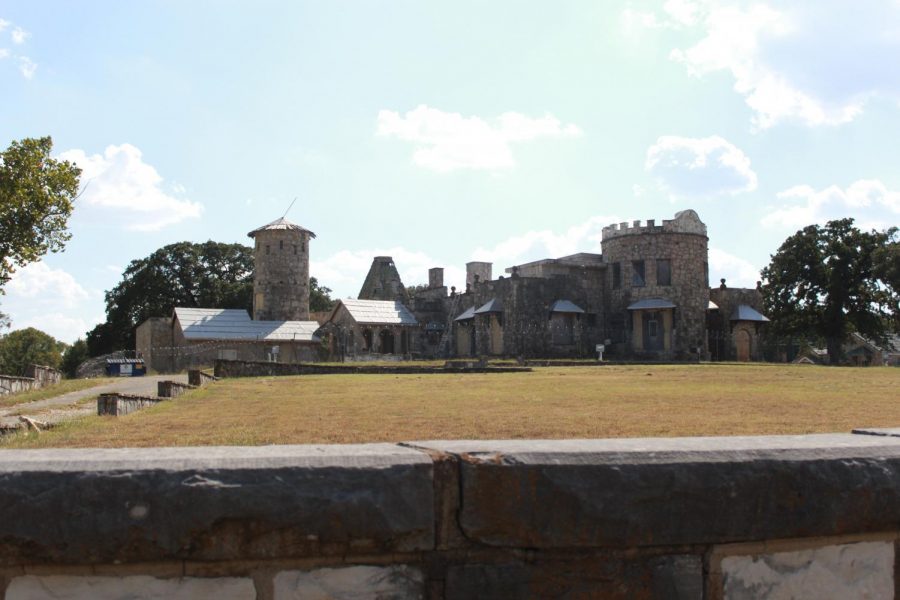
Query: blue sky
{"points": [[445, 132]]}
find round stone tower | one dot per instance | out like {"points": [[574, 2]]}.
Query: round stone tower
{"points": [[658, 283], [281, 272]]}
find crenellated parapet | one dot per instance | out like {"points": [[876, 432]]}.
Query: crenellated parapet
{"points": [[685, 221]]}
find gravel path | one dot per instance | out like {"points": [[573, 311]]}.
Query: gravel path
{"points": [[66, 406]]}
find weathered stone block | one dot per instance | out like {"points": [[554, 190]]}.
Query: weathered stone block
{"points": [[73, 587], [864, 570], [141, 505], [648, 492], [395, 582]]}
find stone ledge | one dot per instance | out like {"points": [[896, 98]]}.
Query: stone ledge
{"points": [[132, 505], [678, 491]]}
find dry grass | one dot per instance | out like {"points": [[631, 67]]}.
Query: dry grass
{"points": [[575, 402], [63, 387]]}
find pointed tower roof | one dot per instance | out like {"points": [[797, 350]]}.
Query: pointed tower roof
{"points": [[281, 223]]}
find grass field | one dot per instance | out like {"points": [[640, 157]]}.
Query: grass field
{"points": [[559, 402]]}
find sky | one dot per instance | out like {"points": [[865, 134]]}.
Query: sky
{"points": [[445, 132]]}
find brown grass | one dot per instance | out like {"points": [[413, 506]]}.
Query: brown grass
{"points": [[575, 402]]}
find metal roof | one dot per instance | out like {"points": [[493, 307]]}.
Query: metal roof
{"points": [[712, 306], [491, 306], [466, 315], [742, 312], [235, 324], [378, 312], [566, 306], [282, 224], [651, 304]]}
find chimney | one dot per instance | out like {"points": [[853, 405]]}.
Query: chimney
{"points": [[436, 277], [482, 269]]}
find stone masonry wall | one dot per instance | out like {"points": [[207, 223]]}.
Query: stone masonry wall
{"points": [[281, 275], [735, 518]]}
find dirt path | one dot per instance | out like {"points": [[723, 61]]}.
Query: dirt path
{"points": [[70, 405]]}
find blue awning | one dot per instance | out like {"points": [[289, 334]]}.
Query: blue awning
{"points": [[466, 315], [651, 304], [491, 306], [566, 306], [742, 312]]}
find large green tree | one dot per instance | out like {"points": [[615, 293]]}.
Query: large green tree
{"points": [[24, 347], [826, 281], [36, 199], [207, 275]]}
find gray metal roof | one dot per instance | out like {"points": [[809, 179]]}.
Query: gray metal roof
{"points": [[282, 224], [742, 312], [235, 324], [378, 312], [566, 306], [491, 306], [466, 315], [651, 304]]}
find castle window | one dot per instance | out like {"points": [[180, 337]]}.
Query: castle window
{"points": [[281, 244], [663, 271], [295, 248], [617, 275], [637, 273], [267, 248]]}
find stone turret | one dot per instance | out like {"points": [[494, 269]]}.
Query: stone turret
{"points": [[383, 282], [281, 271]]}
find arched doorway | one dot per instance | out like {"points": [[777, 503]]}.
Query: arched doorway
{"points": [[386, 337], [742, 345]]}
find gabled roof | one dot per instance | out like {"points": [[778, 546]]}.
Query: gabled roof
{"points": [[282, 224], [377, 312], [235, 324], [651, 304], [466, 315], [491, 306], [566, 306], [743, 312]]}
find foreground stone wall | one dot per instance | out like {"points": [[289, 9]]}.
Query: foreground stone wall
{"points": [[36, 377], [718, 518]]}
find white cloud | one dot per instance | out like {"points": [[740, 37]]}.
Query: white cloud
{"points": [[4, 53], [121, 181], [61, 326], [692, 167], [449, 141], [37, 280], [535, 245], [4, 24], [736, 271], [19, 35], [817, 62], [868, 201], [27, 67]]}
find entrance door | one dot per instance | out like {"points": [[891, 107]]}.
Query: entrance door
{"points": [[387, 342], [653, 333], [742, 345]]}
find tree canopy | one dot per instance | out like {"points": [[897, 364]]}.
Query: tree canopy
{"points": [[828, 281], [24, 347], [36, 200], [207, 275]]}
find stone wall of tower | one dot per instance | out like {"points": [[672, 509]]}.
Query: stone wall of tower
{"points": [[383, 282], [281, 275], [683, 242]]}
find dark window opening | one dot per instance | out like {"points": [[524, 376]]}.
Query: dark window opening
{"points": [[281, 244], [664, 272], [617, 275], [267, 248], [295, 248], [591, 320], [637, 273]]}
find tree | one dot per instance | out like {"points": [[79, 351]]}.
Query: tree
{"points": [[24, 347], [828, 281], [36, 200], [74, 355], [204, 275], [319, 297]]}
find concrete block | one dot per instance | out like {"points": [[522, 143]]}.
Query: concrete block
{"points": [[144, 505], [139, 587], [672, 491], [678, 577], [864, 570], [396, 582]]}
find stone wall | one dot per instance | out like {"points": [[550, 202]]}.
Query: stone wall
{"points": [[383, 282], [36, 377], [172, 389], [705, 518], [281, 275], [116, 404], [199, 378], [15, 385], [154, 343], [237, 368]]}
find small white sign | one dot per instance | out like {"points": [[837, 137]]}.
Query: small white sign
{"points": [[125, 370]]}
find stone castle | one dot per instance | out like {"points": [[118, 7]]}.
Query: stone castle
{"points": [[646, 297]]}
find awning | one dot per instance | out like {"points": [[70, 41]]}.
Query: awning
{"points": [[566, 306], [651, 304], [467, 314], [491, 306], [742, 312], [712, 306]]}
